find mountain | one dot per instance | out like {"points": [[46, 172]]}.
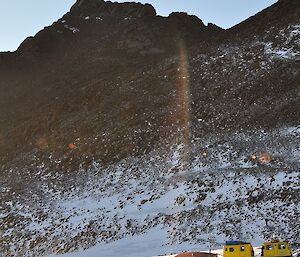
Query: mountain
{"points": [[117, 122], [278, 15], [103, 48]]}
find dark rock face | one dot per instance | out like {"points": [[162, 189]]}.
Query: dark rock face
{"points": [[115, 67], [184, 18], [109, 8], [61, 72], [132, 26]]}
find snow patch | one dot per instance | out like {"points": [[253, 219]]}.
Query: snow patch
{"points": [[73, 29]]}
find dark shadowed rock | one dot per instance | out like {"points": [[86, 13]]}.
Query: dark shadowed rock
{"points": [[114, 72], [186, 20], [84, 7]]}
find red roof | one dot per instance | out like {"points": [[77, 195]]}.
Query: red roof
{"points": [[196, 254]]}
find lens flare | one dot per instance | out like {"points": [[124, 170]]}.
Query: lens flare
{"points": [[182, 105], [265, 158], [72, 146], [1, 140], [184, 102]]}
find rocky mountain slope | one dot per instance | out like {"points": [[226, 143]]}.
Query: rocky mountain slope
{"points": [[88, 67], [116, 121]]}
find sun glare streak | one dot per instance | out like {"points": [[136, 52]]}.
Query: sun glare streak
{"points": [[72, 146], [182, 105], [184, 102]]}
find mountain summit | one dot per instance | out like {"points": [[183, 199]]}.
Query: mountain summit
{"points": [[94, 7], [126, 26]]}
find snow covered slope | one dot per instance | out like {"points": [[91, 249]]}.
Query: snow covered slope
{"points": [[154, 204], [141, 246]]}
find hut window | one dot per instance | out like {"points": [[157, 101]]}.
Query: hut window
{"points": [[269, 247], [242, 248], [231, 249]]}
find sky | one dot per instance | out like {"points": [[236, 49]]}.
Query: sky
{"points": [[20, 19]]}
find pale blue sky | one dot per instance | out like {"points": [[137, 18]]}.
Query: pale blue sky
{"points": [[20, 19]]}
